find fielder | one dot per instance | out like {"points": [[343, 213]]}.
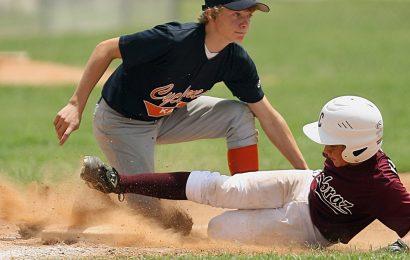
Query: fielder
{"points": [[358, 184], [156, 95]]}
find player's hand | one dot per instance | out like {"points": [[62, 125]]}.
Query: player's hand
{"points": [[397, 247], [67, 120]]}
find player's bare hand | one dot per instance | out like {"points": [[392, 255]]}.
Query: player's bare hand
{"points": [[67, 120]]}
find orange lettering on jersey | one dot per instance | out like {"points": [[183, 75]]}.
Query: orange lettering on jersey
{"points": [[181, 104], [161, 91], [164, 93], [157, 111], [174, 99]]}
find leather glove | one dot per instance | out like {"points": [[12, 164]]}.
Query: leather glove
{"points": [[397, 247]]}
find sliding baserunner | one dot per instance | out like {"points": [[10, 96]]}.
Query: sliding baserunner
{"points": [[358, 184]]}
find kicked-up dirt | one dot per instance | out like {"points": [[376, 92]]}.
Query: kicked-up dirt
{"points": [[28, 211]]}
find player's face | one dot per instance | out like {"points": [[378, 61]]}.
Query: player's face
{"points": [[233, 25], [334, 153]]}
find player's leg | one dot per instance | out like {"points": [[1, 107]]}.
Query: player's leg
{"points": [[129, 147], [260, 193], [269, 189], [288, 225], [209, 117], [127, 144]]}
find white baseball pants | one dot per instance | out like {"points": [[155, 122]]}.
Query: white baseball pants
{"points": [[272, 206]]}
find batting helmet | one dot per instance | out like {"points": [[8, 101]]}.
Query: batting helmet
{"points": [[351, 121]]}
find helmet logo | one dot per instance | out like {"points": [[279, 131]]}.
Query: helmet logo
{"points": [[359, 152], [319, 123], [347, 125]]}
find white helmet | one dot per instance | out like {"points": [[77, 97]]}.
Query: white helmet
{"points": [[351, 121]]}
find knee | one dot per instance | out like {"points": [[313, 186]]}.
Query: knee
{"points": [[215, 228], [242, 130], [229, 226], [239, 112]]}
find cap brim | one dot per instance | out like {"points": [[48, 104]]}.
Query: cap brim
{"points": [[312, 131], [245, 4]]}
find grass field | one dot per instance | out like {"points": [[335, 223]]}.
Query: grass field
{"points": [[306, 52]]}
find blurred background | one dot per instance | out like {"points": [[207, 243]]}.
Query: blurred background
{"points": [[62, 16], [306, 52]]}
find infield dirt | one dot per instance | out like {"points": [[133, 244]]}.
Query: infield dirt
{"points": [[27, 211], [19, 70]]}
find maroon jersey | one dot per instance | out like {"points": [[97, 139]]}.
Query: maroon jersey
{"points": [[344, 200]]}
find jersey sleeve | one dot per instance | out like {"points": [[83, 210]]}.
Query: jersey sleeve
{"points": [[243, 80], [145, 46], [394, 207]]}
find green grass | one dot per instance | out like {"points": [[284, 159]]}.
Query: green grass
{"points": [[30, 149]]}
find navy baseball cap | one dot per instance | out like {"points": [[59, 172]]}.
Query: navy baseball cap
{"points": [[237, 5]]}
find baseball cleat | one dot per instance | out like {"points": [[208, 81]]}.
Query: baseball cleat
{"points": [[99, 176]]}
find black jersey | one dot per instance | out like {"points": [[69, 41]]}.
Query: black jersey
{"points": [[166, 67]]}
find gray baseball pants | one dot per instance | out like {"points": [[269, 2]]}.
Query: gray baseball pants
{"points": [[129, 144]]}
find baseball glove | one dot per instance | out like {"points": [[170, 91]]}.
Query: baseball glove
{"points": [[397, 247]]}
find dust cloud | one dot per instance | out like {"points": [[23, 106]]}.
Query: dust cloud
{"points": [[36, 207]]}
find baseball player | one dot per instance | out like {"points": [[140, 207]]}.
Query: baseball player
{"points": [[156, 96], [358, 184]]}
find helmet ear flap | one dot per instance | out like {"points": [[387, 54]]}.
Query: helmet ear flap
{"points": [[351, 155], [346, 155], [360, 154]]}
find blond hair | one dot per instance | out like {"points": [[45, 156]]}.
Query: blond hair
{"points": [[214, 12]]}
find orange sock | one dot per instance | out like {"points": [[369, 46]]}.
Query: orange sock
{"points": [[243, 159]]}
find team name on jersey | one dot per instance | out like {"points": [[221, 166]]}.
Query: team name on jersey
{"points": [[172, 99], [329, 196]]}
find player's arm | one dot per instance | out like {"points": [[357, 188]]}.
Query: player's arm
{"points": [[69, 117], [278, 132], [394, 208]]}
